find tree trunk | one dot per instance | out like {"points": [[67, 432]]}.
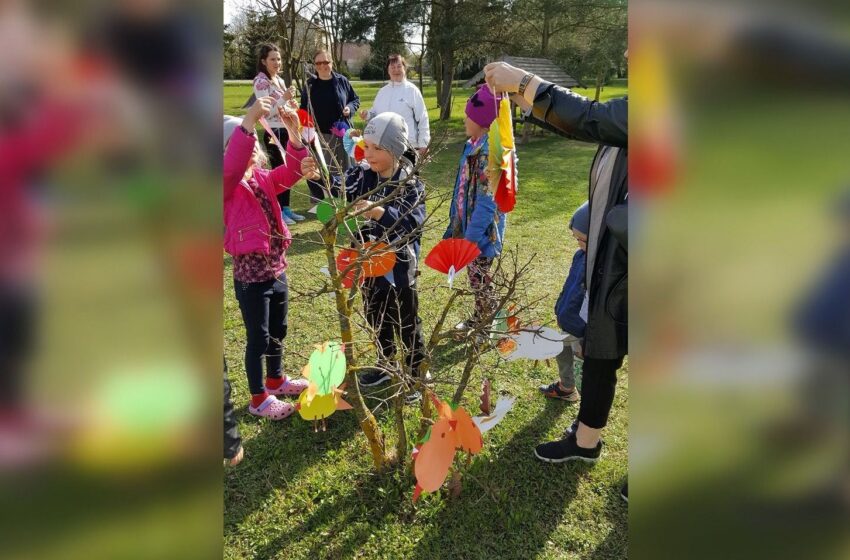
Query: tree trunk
{"points": [[437, 72], [447, 77], [599, 79], [544, 39], [364, 416], [422, 59]]}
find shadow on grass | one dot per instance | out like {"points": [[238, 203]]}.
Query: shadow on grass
{"points": [[509, 506], [274, 458], [304, 243], [616, 542], [449, 354]]}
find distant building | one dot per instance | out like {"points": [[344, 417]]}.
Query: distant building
{"points": [[355, 55]]}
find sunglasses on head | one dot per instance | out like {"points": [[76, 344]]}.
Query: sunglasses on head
{"points": [[322, 63]]}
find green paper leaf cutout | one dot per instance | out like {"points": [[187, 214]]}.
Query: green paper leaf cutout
{"points": [[327, 367], [351, 224], [325, 211], [427, 436]]}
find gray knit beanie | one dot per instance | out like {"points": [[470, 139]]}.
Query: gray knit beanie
{"points": [[581, 219], [230, 124], [389, 132]]}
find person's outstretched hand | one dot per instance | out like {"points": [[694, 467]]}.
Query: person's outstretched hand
{"points": [[501, 76], [309, 169], [289, 118], [261, 108]]}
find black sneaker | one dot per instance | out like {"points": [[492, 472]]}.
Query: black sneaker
{"points": [[573, 428], [374, 377], [624, 492], [413, 398], [567, 449]]}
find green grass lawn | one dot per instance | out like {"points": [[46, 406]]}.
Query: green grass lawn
{"points": [[301, 494]]}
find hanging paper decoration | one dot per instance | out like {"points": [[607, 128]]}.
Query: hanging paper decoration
{"points": [[454, 430], [501, 169], [309, 135], [327, 367], [449, 256], [485, 396], [275, 140], [339, 128], [345, 265], [323, 396], [354, 145], [488, 421], [533, 343], [378, 259], [327, 209]]}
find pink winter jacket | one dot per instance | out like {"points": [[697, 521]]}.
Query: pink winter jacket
{"points": [[246, 227]]}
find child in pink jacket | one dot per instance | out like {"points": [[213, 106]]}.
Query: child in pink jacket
{"points": [[257, 238]]}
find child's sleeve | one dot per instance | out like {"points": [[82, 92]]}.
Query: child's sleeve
{"points": [[352, 181], [485, 207], [407, 213], [237, 157], [285, 175]]}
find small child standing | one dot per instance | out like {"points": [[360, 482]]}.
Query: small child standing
{"points": [[257, 238], [474, 215], [568, 312], [391, 302]]}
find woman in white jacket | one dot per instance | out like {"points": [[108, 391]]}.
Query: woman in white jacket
{"points": [[402, 97]]}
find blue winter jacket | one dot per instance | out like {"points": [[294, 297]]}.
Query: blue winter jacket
{"points": [[400, 226], [568, 306]]}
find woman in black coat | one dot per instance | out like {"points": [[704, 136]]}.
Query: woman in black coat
{"points": [[606, 337]]}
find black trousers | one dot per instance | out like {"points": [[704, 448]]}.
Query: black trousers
{"points": [[275, 159], [394, 312], [599, 377], [18, 316], [264, 307], [232, 439]]}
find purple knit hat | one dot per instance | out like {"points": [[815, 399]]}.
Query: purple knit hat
{"points": [[481, 107]]}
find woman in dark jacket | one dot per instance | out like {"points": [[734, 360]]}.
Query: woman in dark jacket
{"points": [[330, 99], [606, 335]]}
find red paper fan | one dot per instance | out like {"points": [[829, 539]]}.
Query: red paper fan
{"points": [[451, 254], [344, 261], [304, 118], [505, 196]]}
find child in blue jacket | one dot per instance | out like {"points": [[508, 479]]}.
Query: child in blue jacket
{"points": [[394, 207], [568, 312], [473, 215]]}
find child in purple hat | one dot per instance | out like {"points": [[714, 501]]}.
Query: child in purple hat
{"points": [[473, 214]]}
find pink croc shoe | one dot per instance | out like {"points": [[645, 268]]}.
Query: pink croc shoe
{"points": [[289, 388], [272, 408]]}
